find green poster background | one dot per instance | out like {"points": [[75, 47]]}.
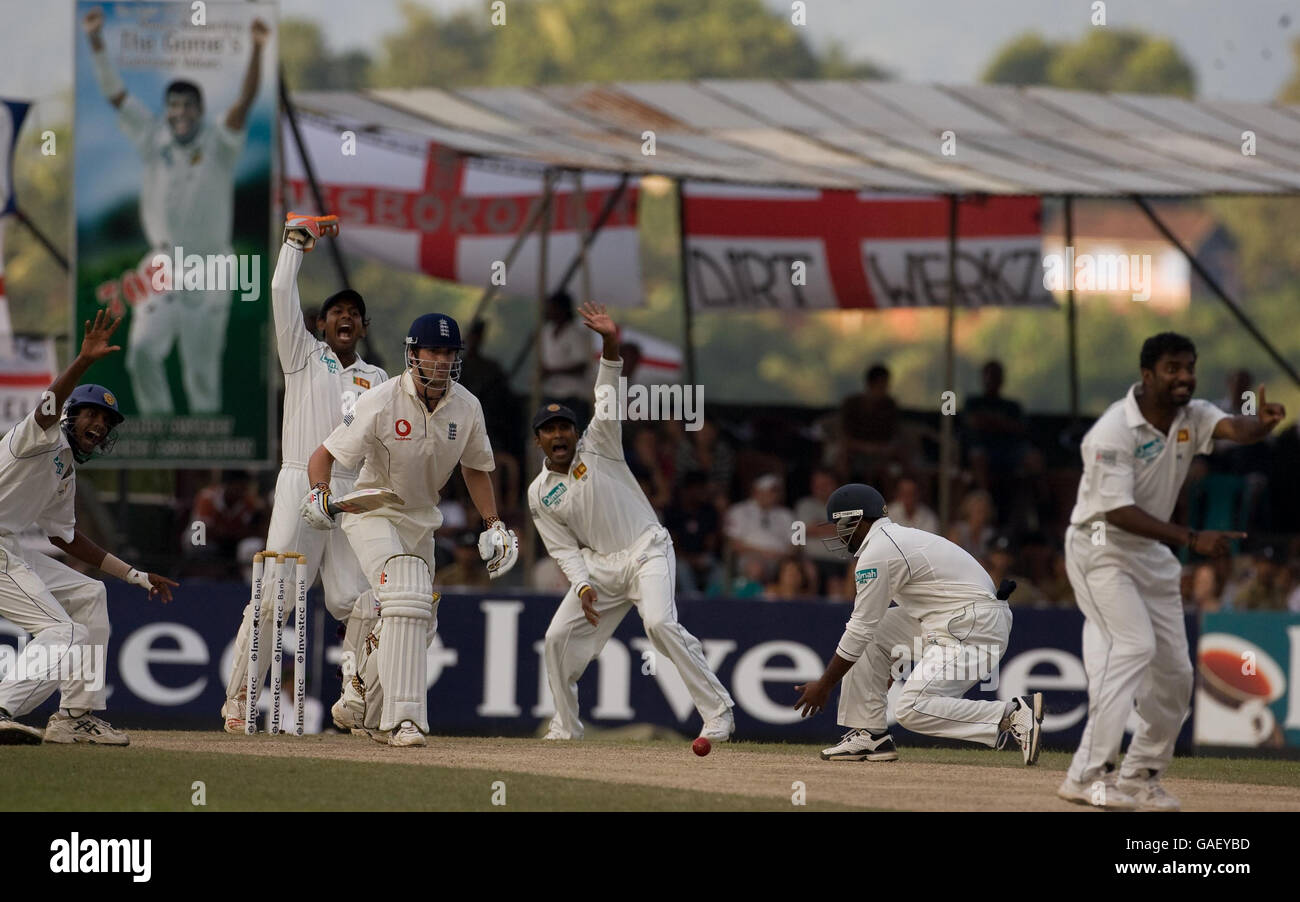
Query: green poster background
{"points": [[150, 45]]}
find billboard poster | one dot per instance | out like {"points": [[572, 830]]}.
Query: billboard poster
{"points": [[1248, 680], [175, 129]]}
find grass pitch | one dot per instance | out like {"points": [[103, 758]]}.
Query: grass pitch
{"points": [[331, 772]]}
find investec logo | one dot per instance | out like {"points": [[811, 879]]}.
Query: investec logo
{"points": [[103, 856]]}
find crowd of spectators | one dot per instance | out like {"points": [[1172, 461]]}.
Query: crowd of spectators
{"points": [[745, 502]]}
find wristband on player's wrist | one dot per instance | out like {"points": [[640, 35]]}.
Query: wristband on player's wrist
{"points": [[323, 486], [489, 522]]}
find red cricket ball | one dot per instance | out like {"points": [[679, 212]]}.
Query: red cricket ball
{"points": [[701, 746]]}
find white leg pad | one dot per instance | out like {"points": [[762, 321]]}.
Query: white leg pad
{"points": [[405, 608]]}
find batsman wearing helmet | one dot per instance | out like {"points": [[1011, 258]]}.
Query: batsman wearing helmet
{"points": [[600, 529], [65, 611], [964, 626], [408, 435], [322, 381]]}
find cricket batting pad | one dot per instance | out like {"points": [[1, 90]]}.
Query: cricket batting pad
{"points": [[405, 608]]}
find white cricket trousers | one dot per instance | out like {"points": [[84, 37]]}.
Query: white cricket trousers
{"points": [[197, 319], [956, 653], [61, 608], [375, 539], [643, 575], [1134, 650], [328, 552]]}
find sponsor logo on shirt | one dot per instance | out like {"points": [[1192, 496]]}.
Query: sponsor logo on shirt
{"points": [[1150, 450], [579, 471], [348, 418], [862, 577], [1184, 435], [1105, 457], [58, 465], [403, 430], [554, 495], [357, 380], [331, 364], [451, 432]]}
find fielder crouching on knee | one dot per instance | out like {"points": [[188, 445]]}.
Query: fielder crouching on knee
{"points": [[946, 600], [408, 435], [600, 529], [65, 611]]}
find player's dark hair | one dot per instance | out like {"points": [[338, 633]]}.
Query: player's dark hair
{"points": [[876, 372], [184, 86], [1158, 346]]}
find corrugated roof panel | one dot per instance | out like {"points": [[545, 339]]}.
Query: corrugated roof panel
{"points": [[1261, 119], [932, 107], [1095, 111], [448, 109], [843, 101], [770, 101], [1016, 109], [689, 105], [531, 110]]}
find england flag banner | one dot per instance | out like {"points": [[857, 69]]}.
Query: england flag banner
{"points": [[415, 205], [750, 248]]}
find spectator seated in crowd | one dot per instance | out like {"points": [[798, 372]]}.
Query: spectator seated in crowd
{"points": [[566, 352], [974, 529], [1265, 586], [486, 379], [230, 510], [907, 509], [795, 579], [749, 582], [811, 511], [760, 528], [705, 449], [466, 569], [1000, 563], [868, 430], [696, 528]]}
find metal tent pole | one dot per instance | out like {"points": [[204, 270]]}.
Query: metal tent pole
{"points": [[949, 372]]}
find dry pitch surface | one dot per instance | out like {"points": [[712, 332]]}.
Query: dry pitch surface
{"points": [[333, 772]]}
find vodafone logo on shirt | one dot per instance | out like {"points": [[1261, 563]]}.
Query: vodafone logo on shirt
{"points": [[403, 430]]}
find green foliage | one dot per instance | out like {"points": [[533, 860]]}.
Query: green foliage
{"points": [[308, 64], [38, 287], [1023, 61], [1106, 59]]}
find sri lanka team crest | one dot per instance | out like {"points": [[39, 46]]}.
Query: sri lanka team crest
{"points": [[579, 471], [109, 399]]}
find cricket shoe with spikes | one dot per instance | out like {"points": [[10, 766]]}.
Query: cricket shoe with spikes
{"points": [[1025, 725], [14, 733], [860, 745], [407, 735], [233, 713], [302, 231], [87, 728], [1146, 790], [1102, 793], [720, 728]]}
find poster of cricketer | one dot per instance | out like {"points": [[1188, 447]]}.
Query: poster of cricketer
{"points": [[175, 119]]}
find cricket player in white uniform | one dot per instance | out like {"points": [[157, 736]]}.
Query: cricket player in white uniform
{"points": [[187, 201], [322, 380], [1126, 579], [600, 529], [408, 435], [964, 628], [65, 611]]}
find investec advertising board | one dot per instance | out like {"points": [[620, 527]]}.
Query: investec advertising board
{"points": [[167, 666]]}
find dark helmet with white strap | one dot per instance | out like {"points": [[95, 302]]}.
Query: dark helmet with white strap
{"points": [[848, 506], [91, 395], [434, 330]]}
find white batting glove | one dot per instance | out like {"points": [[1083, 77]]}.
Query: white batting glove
{"points": [[499, 548], [314, 510]]}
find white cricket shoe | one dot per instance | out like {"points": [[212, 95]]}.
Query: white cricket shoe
{"points": [[1027, 725], [407, 735], [1098, 794], [344, 717], [88, 728], [720, 728], [233, 713], [1148, 793], [554, 735], [857, 745], [14, 733]]}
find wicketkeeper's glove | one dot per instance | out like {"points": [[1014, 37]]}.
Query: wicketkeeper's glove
{"points": [[301, 231], [315, 509], [499, 548]]}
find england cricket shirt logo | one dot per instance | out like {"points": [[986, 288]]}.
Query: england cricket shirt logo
{"points": [[451, 432], [443, 329]]}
